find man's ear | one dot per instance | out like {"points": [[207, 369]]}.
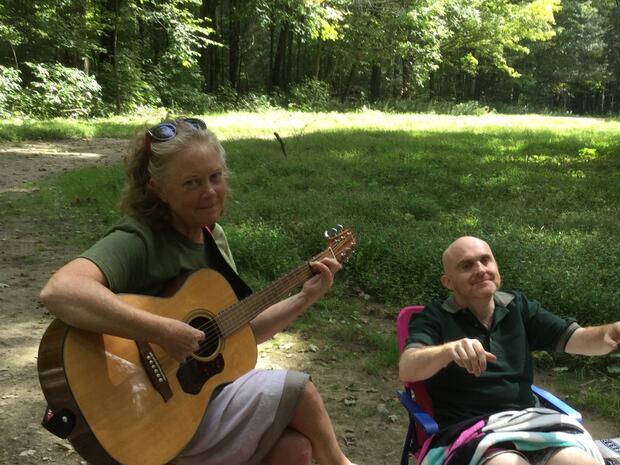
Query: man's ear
{"points": [[445, 281]]}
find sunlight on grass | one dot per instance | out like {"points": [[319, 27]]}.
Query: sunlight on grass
{"points": [[408, 185], [290, 124]]}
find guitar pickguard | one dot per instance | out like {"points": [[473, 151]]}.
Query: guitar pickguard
{"points": [[193, 373], [207, 361]]}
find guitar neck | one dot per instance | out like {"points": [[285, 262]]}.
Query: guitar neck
{"points": [[241, 313]]}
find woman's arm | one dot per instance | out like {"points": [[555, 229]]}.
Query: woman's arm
{"points": [[278, 316], [78, 295]]}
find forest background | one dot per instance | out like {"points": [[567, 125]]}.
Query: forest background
{"points": [[96, 57], [340, 80]]}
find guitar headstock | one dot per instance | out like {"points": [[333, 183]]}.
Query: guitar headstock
{"points": [[341, 241]]}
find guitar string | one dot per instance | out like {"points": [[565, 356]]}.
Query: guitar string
{"points": [[230, 318], [230, 315], [264, 297]]}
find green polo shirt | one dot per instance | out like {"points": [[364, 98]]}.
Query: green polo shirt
{"points": [[519, 326], [137, 259]]}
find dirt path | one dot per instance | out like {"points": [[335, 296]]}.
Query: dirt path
{"points": [[369, 422]]}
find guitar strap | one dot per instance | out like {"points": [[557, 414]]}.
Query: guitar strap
{"points": [[216, 260]]}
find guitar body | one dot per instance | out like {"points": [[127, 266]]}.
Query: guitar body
{"points": [[119, 415]]}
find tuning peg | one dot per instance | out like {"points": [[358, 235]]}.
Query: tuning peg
{"points": [[330, 233]]}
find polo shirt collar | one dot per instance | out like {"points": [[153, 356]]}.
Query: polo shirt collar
{"points": [[500, 298]]}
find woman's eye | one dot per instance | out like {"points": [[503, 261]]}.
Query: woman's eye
{"points": [[216, 177], [192, 182]]}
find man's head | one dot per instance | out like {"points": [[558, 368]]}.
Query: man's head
{"points": [[470, 270]]}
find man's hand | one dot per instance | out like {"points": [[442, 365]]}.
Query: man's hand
{"points": [[469, 354], [594, 340], [612, 336]]}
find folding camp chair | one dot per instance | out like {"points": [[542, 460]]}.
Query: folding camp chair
{"points": [[416, 400]]}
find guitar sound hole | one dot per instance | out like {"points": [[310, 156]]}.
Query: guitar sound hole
{"points": [[211, 342]]}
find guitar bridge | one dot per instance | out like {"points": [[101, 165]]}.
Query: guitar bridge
{"points": [[154, 370]]}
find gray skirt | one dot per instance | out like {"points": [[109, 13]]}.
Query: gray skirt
{"points": [[244, 421]]}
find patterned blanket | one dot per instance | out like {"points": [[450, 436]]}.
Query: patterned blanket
{"points": [[525, 430]]}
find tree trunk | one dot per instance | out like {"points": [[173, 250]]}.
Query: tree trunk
{"points": [[209, 56], [279, 62], [405, 89], [347, 85], [375, 83], [475, 87], [298, 62], [109, 43], [288, 68], [317, 60], [272, 33], [234, 47]]}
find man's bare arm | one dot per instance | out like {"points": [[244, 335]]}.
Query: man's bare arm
{"points": [[594, 340], [418, 364]]}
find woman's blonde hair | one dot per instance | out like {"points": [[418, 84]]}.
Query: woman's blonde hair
{"points": [[148, 160]]}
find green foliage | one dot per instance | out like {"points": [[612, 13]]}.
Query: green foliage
{"points": [[186, 55], [126, 87], [179, 89], [470, 108], [590, 383], [572, 63], [60, 91], [227, 99], [310, 95], [10, 90]]}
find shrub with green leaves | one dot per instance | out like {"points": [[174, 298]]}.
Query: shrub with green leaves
{"points": [[58, 91], [10, 89], [310, 95]]}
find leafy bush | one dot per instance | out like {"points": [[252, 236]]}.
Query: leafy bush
{"points": [[180, 89], [10, 89], [228, 99], [125, 88], [416, 105], [470, 107], [60, 91], [310, 95]]}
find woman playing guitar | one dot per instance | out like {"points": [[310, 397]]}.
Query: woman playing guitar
{"points": [[173, 199]]}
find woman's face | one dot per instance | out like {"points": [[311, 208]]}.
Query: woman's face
{"points": [[194, 188]]}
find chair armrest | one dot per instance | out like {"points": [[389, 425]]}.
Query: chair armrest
{"points": [[549, 400], [427, 422]]}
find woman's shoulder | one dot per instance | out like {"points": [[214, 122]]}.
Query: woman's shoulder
{"points": [[132, 224]]}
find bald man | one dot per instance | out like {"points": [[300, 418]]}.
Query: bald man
{"points": [[474, 349]]}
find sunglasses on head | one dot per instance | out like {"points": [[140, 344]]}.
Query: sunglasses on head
{"points": [[168, 130]]}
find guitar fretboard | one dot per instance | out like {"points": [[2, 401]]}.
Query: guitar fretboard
{"points": [[241, 313]]}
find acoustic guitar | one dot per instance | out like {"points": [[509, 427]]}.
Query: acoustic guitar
{"points": [[126, 402]]}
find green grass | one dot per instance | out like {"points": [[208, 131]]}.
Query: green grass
{"points": [[543, 191]]}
